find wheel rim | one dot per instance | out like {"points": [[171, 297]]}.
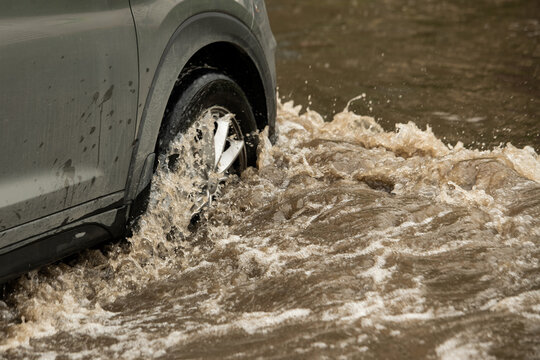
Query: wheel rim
{"points": [[223, 151]]}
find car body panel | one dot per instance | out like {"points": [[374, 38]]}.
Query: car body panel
{"points": [[67, 116], [156, 21]]}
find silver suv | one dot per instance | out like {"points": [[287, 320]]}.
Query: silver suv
{"points": [[92, 92]]}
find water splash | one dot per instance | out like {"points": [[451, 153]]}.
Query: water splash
{"points": [[345, 239]]}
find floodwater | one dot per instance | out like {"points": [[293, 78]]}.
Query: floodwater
{"points": [[469, 69], [353, 238]]}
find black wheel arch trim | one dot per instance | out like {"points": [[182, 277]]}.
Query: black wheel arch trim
{"points": [[206, 28]]}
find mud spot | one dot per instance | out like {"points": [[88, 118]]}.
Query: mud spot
{"points": [[108, 95], [68, 169]]}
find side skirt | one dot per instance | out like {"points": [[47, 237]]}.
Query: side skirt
{"points": [[57, 244]]}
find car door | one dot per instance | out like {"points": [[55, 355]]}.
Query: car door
{"points": [[68, 100]]}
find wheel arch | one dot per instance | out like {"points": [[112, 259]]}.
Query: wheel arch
{"points": [[232, 61], [193, 47]]}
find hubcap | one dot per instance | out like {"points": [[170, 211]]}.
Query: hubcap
{"points": [[223, 152]]}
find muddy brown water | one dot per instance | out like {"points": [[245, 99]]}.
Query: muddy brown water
{"points": [[355, 238], [469, 69]]}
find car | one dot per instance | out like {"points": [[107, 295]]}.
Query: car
{"points": [[93, 92]]}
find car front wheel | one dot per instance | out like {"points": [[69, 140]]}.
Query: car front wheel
{"points": [[214, 111]]}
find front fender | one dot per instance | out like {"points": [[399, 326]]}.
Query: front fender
{"points": [[157, 20], [191, 36]]}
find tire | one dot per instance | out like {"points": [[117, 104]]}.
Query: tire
{"points": [[207, 91]]}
